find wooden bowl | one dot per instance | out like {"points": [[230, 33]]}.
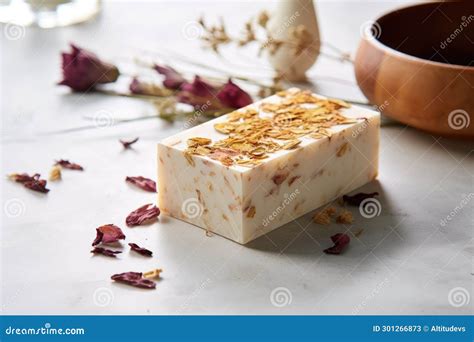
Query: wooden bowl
{"points": [[417, 65]]}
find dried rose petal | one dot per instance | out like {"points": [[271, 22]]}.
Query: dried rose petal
{"points": [[140, 250], [107, 234], [340, 240], [68, 165], [232, 96], [105, 251], [143, 183], [30, 182], [128, 144], [357, 199], [83, 70], [36, 185], [142, 214], [173, 79], [134, 279], [23, 177]]}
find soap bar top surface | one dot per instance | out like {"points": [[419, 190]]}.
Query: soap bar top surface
{"points": [[268, 129]]}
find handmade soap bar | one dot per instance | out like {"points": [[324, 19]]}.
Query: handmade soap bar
{"points": [[248, 172]]}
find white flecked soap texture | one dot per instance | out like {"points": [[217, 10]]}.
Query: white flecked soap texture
{"points": [[219, 193]]}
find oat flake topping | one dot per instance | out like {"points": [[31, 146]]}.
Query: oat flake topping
{"points": [[251, 137]]}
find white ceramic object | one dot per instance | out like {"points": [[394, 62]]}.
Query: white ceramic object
{"points": [[288, 15]]}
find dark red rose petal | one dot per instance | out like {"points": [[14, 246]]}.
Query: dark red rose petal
{"points": [[143, 183], [30, 182], [232, 96], [128, 144], [357, 199], [134, 279], [68, 165], [105, 251], [340, 240], [140, 250], [23, 177], [142, 214], [37, 185], [108, 233]]}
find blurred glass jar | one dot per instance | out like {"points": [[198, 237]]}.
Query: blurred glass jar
{"points": [[47, 13]]}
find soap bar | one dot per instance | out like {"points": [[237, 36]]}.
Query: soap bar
{"points": [[251, 171]]}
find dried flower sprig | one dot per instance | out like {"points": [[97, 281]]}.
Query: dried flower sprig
{"points": [[257, 31]]}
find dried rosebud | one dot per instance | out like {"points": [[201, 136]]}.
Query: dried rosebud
{"points": [[173, 79], [147, 88], [340, 240], [105, 251], [128, 144], [108, 233], [83, 70], [68, 165], [199, 94], [145, 213], [357, 199], [140, 250], [134, 279], [143, 183], [232, 96]]}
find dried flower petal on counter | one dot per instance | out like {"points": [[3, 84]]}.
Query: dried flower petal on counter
{"points": [[108, 233], [128, 144], [105, 251], [200, 94], [30, 182], [144, 213], [134, 279], [142, 182], [140, 250], [55, 173], [83, 70], [173, 79], [357, 199], [23, 177], [68, 165], [340, 241], [36, 185]]}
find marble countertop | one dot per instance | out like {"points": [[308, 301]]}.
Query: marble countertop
{"points": [[414, 258]]}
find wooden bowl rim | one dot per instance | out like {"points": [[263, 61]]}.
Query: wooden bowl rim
{"points": [[402, 55]]}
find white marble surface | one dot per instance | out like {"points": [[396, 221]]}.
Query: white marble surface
{"points": [[404, 262]]}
